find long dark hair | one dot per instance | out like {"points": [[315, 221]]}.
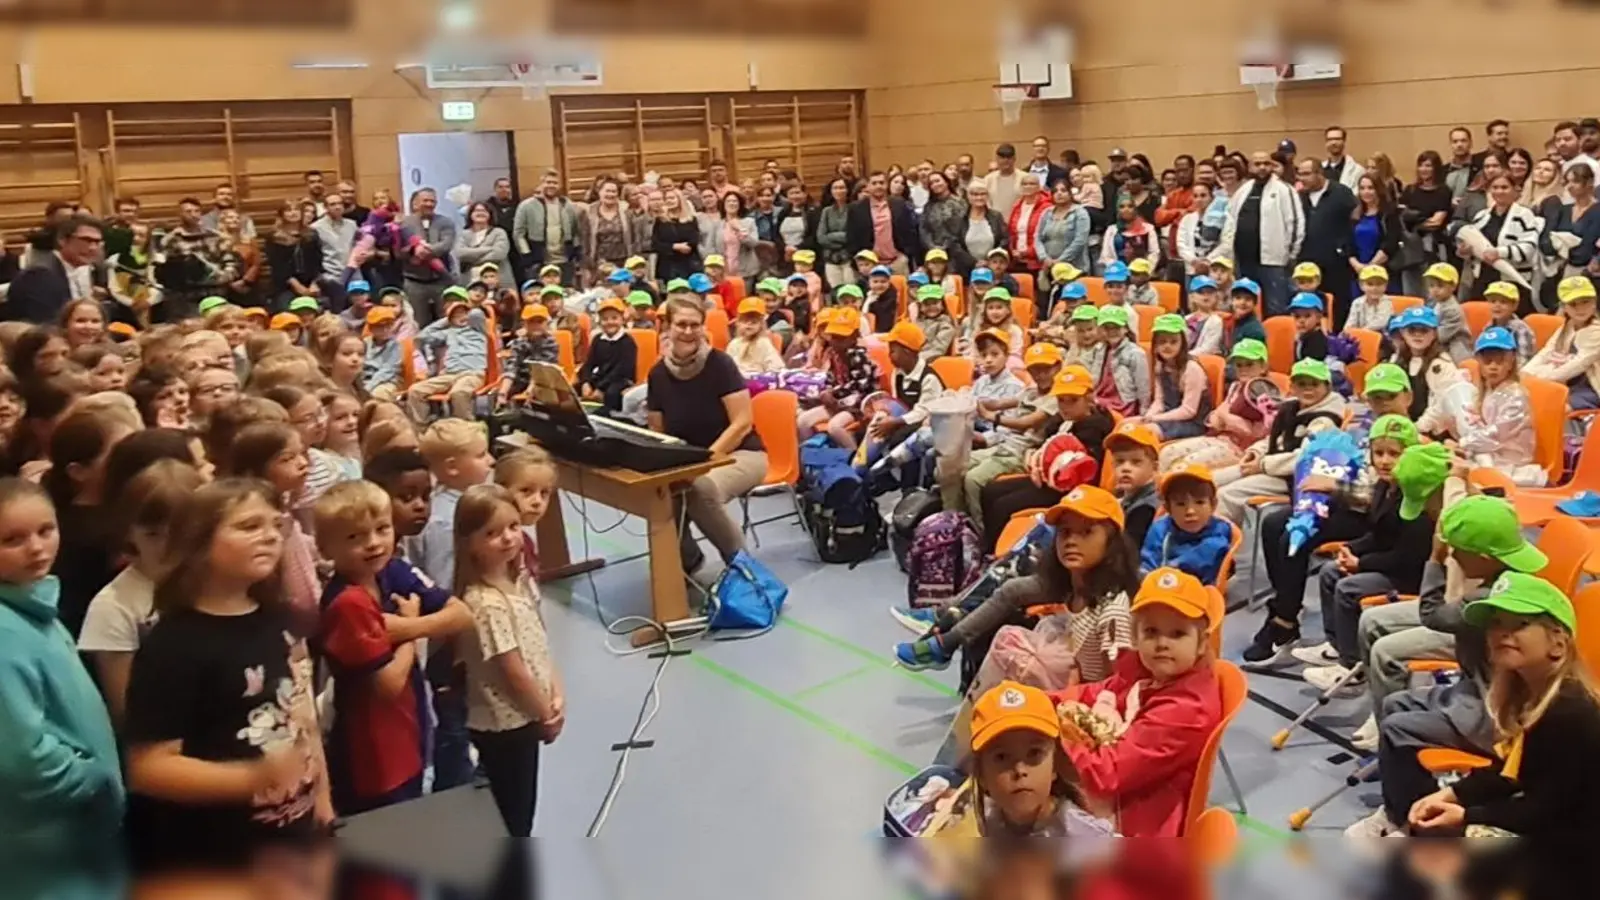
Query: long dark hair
{"points": [[1118, 572], [1437, 161], [466, 217], [827, 191], [27, 348], [1180, 363], [81, 438], [1386, 200]]}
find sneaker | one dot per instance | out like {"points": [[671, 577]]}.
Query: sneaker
{"points": [[1366, 737], [1322, 654], [925, 653], [1270, 642], [1323, 678], [916, 620], [1376, 825]]}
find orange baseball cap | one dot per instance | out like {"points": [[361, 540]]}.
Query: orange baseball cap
{"points": [[284, 321], [1089, 502], [1072, 381], [1191, 471], [535, 311], [752, 305], [380, 314], [845, 320], [1042, 353], [1134, 433], [255, 312], [994, 334], [612, 303], [122, 328], [1181, 592], [906, 335], [1010, 706]]}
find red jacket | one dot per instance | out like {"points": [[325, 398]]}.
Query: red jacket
{"points": [[1150, 770], [1171, 212], [730, 300]]}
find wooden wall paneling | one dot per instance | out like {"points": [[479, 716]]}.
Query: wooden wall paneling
{"points": [[41, 160], [830, 127]]}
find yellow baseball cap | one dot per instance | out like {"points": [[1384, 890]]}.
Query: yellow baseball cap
{"points": [[845, 320], [1443, 272], [1222, 262], [715, 259], [535, 311], [906, 335], [1063, 271], [256, 312], [869, 256], [1091, 503], [128, 331], [1140, 266], [752, 305], [934, 255], [284, 321], [1374, 273], [993, 334], [1505, 290], [807, 257], [1010, 706], [381, 314], [1134, 433], [1042, 353], [1190, 471], [1179, 591], [1307, 270], [634, 262], [612, 303], [1576, 288], [1072, 381]]}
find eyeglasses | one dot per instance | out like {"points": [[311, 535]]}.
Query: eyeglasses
{"points": [[316, 418]]}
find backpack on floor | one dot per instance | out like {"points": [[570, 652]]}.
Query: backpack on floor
{"points": [[946, 557], [837, 512], [913, 508]]}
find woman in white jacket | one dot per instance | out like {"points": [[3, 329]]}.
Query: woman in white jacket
{"points": [[1511, 231]]}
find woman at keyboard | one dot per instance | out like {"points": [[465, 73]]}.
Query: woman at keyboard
{"points": [[698, 395]]}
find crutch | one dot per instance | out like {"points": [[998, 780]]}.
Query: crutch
{"points": [[1282, 737], [1368, 769]]}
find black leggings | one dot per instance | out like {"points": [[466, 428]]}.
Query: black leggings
{"points": [[510, 759], [1003, 499], [1288, 573]]}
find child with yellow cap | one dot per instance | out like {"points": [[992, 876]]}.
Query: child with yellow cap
{"points": [[1373, 309], [1019, 430], [1140, 291], [1503, 299], [751, 346], [1440, 283], [1572, 356], [535, 344], [937, 264]]}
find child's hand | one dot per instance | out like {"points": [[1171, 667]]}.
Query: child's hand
{"points": [[1250, 466], [1319, 484], [1347, 561], [278, 772], [550, 728], [408, 607]]}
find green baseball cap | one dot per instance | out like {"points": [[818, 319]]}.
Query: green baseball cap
{"points": [[929, 292], [676, 285], [641, 298], [1387, 378], [849, 290], [1085, 313], [1522, 595], [1395, 428], [555, 289], [1311, 368], [1488, 526], [1170, 323], [1112, 315], [210, 303], [456, 292], [300, 303], [1420, 472], [1249, 349], [997, 295], [770, 285]]}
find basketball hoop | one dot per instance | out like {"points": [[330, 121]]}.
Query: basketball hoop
{"points": [[1011, 97], [529, 77], [1265, 79]]}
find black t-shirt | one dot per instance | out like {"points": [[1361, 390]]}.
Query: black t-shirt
{"points": [[228, 688], [1247, 233], [691, 408]]}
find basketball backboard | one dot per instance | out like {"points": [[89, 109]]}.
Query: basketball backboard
{"points": [[1042, 57]]}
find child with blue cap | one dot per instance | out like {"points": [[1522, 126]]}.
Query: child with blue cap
{"points": [[1417, 351], [1116, 283], [882, 301], [979, 282], [1204, 321], [1494, 425], [1310, 341], [1244, 301]]}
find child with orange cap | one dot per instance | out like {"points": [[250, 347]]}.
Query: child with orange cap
{"points": [[907, 438], [380, 366], [534, 345], [851, 374], [751, 346], [1161, 702], [612, 362]]}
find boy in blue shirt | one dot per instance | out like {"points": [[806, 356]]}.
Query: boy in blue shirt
{"points": [[380, 369], [1191, 537], [463, 337]]}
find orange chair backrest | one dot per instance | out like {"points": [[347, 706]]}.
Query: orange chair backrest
{"points": [[564, 355], [1586, 603], [775, 413], [1025, 285], [717, 327], [1369, 341], [408, 361], [1017, 527], [1566, 543], [1167, 295], [647, 341], [777, 341], [1280, 343], [1586, 477], [1212, 836], [1402, 303], [1216, 367], [1544, 327], [955, 371], [956, 303], [1023, 311], [737, 285], [1147, 320], [1548, 401], [1108, 477], [880, 355], [1478, 315], [1096, 287], [1227, 564], [1281, 380], [1234, 692], [492, 375]]}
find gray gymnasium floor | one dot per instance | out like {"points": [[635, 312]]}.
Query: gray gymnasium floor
{"points": [[795, 737]]}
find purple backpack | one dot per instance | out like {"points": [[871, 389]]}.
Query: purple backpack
{"points": [[946, 557]]}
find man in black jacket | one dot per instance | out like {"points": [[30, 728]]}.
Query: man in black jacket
{"points": [[1328, 208], [503, 207], [40, 291], [1049, 173], [864, 217]]}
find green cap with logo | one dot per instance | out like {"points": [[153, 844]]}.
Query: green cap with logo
{"points": [[676, 285], [556, 290], [1522, 595], [1395, 428], [307, 303], [997, 295], [1488, 526], [456, 292], [1085, 313], [849, 290], [641, 298], [1249, 349], [208, 304], [770, 286], [1170, 323], [1314, 369], [1112, 315], [930, 292], [1386, 378], [1419, 473]]}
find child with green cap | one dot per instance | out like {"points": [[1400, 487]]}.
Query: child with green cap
{"points": [[1122, 382], [1480, 537], [554, 299], [1388, 554], [1243, 417], [933, 317], [1083, 346], [1182, 399]]}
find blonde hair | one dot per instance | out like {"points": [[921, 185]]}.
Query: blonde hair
{"points": [[518, 463], [222, 314], [114, 406], [446, 438], [1514, 710], [1091, 174], [159, 346], [476, 509], [296, 368], [381, 436], [348, 503], [262, 344]]}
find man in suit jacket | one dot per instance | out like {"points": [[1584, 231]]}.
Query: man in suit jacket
{"points": [[1328, 206], [425, 283], [56, 278], [897, 243]]}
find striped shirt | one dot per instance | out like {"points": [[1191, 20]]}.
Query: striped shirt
{"points": [[1096, 635]]}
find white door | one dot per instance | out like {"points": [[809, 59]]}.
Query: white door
{"points": [[446, 161]]}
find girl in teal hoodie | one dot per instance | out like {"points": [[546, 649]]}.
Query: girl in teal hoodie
{"points": [[59, 772]]}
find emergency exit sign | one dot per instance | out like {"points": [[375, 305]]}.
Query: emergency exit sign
{"points": [[459, 110]]}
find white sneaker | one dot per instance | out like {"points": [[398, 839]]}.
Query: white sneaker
{"points": [[1324, 678], [1322, 654], [1374, 826], [1366, 737]]}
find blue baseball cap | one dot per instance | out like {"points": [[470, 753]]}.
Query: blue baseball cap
{"points": [[1307, 300], [796, 277], [700, 283], [917, 279], [1073, 291], [1248, 286], [620, 276], [1495, 338], [1117, 271], [982, 275], [1202, 283], [1419, 316], [530, 283], [885, 271], [358, 287]]}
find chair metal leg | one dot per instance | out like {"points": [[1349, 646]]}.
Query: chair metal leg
{"points": [[1233, 783], [1282, 737], [1255, 555]]}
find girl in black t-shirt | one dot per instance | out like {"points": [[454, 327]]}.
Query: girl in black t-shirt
{"points": [[224, 754]]}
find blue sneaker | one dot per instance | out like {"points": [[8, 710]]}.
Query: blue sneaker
{"points": [[921, 654], [917, 620]]}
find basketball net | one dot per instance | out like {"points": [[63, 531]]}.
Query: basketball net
{"points": [[529, 78], [1011, 99], [1265, 79]]}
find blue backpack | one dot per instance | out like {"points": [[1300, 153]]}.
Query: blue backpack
{"points": [[836, 509]]}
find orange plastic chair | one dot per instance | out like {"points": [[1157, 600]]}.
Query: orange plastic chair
{"points": [[1548, 402], [1213, 837], [777, 342], [955, 371], [1234, 692], [1226, 572], [1017, 527], [1566, 544], [1369, 342], [1022, 309], [1538, 505], [717, 327], [1280, 380], [1280, 343], [1544, 327], [647, 341], [1478, 316], [1025, 285], [955, 304], [775, 413], [1401, 304], [737, 285], [1166, 295], [564, 355], [880, 355], [408, 362], [1216, 368], [1147, 320], [1096, 288], [902, 292]]}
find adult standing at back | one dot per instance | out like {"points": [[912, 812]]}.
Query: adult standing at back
{"points": [[1022, 221], [1339, 168], [606, 231], [502, 205], [1265, 228], [436, 236], [675, 237], [337, 236], [1063, 236], [943, 220], [983, 229], [1329, 208], [545, 230], [1005, 181], [54, 279], [885, 225], [833, 233], [482, 241], [1049, 173]]}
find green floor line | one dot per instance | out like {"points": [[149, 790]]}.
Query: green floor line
{"points": [[827, 727], [832, 682], [880, 660], [1262, 828]]}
